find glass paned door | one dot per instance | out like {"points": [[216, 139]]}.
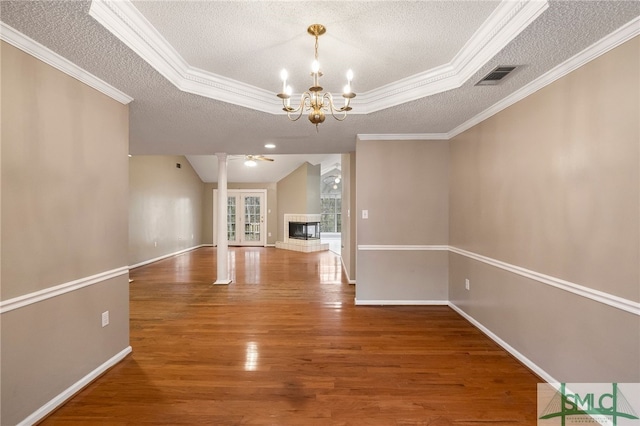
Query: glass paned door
{"points": [[246, 223], [252, 218], [232, 202]]}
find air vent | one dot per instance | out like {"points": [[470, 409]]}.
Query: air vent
{"points": [[496, 76]]}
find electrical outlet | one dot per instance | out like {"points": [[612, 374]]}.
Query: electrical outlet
{"points": [[466, 283], [105, 318], [365, 214], [269, 234]]}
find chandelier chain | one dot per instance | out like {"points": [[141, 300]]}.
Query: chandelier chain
{"points": [[316, 48]]}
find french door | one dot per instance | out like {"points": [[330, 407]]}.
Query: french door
{"points": [[245, 217]]}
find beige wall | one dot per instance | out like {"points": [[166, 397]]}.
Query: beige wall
{"points": [[298, 192], [551, 184], [314, 204], [404, 187], [271, 216], [64, 218], [166, 207]]}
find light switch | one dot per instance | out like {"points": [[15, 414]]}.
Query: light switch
{"points": [[365, 214]]}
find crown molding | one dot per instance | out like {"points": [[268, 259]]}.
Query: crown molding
{"points": [[37, 50], [124, 21], [403, 136], [609, 42], [508, 20], [604, 45]]}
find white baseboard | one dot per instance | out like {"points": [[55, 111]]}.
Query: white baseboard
{"points": [[520, 357], [344, 268], [523, 359], [402, 302], [146, 262], [60, 399]]}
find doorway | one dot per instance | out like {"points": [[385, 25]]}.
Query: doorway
{"points": [[246, 210], [331, 207]]}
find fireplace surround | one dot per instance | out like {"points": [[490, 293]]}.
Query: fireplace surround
{"points": [[302, 233]]}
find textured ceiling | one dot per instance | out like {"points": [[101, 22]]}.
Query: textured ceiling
{"points": [[382, 41], [252, 41]]}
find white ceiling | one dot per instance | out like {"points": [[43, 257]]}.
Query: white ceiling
{"points": [[265, 171], [203, 74]]}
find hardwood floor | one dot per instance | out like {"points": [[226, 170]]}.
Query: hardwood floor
{"points": [[285, 345]]}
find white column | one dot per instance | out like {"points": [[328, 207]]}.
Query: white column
{"points": [[221, 234]]}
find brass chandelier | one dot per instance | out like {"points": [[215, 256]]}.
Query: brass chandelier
{"points": [[313, 100]]}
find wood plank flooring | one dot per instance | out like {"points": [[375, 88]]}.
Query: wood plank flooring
{"points": [[285, 345]]}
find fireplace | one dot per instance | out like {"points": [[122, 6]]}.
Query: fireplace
{"points": [[304, 230], [302, 233]]}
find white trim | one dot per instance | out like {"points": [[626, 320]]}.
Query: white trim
{"points": [[508, 20], [344, 268], [60, 399], [270, 245], [37, 50], [403, 136], [592, 294], [156, 259], [124, 21], [523, 359], [599, 48], [592, 52], [365, 302], [48, 293], [595, 295], [392, 247]]}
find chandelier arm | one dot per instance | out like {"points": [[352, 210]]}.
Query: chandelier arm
{"points": [[332, 108], [313, 101], [295, 114]]}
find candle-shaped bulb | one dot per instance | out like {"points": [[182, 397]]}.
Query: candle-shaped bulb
{"points": [[315, 66], [349, 76], [288, 90], [284, 75], [347, 89]]}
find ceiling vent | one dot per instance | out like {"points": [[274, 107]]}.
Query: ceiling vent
{"points": [[496, 75]]}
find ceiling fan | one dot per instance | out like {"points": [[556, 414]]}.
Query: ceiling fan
{"points": [[251, 160]]}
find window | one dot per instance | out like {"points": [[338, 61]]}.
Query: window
{"points": [[331, 205]]}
